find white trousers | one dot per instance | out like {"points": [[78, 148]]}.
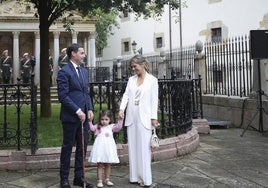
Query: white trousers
{"points": [[139, 151]]}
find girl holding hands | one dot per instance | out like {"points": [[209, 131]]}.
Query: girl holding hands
{"points": [[104, 151]]}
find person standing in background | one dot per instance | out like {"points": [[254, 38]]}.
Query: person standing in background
{"points": [[76, 110], [141, 100], [6, 67], [63, 58], [50, 61], [25, 68], [85, 62]]}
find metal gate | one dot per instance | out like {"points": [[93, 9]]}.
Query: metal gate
{"points": [[18, 116]]}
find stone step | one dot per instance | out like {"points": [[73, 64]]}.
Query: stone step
{"points": [[218, 122], [53, 93]]}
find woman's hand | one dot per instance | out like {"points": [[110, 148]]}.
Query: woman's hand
{"points": [[155, 123]]}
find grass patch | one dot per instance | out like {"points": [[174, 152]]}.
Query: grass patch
{"points": [[50, 129]]}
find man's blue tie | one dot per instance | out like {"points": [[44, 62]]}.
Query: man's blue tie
{"points": [[80, 75]]}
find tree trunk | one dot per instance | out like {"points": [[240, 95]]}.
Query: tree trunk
{"points": [[45, 104]]}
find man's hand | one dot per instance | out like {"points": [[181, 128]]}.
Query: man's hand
{"points": [[81, 115]]}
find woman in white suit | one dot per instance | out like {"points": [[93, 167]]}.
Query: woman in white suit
{"points": [[140, 101]]}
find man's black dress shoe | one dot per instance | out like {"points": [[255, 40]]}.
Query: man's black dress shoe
{"points": [[80, 182], [134, 182], [64, 184]]}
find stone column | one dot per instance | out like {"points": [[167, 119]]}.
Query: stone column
{"points": [[92, 50], [200, 69], [85, 45], [119, 67], [56, 35], [200, 65], [16, 59], [74, 37], [162, 66], [37, 58], [201, 125], [88, 52]]}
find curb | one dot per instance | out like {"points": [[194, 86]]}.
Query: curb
{"points": [[49, 158]]}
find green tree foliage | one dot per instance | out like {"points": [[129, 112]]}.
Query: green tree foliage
{"points": [[104, 26], [48, 11]]}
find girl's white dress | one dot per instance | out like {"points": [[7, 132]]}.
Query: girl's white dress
{"points": [[104, 149]]}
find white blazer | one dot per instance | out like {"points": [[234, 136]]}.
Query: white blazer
{"points": [[148, 103]]}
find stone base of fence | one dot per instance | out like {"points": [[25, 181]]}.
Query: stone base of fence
{"points": [[49, 158], [202, 126]]}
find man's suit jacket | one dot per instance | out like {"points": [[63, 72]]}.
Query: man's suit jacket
{"points": [[73, 93], [148, 103]]}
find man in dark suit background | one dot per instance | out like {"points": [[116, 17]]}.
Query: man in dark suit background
{"points": [[76, 107]]}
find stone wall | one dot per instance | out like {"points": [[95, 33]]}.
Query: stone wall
{"points": [[240, 111]]}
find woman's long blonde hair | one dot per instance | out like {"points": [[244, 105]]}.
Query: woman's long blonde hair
{"points": [[139, 59]]}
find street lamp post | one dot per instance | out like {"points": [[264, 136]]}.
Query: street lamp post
{"points": [[134, 48], [180, 35]]}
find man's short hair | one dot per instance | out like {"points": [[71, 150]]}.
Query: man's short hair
{"points": [[73, 48]]}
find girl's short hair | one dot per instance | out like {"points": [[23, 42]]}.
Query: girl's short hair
{"points": [[105, 113]]}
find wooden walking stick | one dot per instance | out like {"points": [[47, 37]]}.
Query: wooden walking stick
{"points": [[83, 153]]}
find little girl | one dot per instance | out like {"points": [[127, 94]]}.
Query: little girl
{"points": [[104, 151]]}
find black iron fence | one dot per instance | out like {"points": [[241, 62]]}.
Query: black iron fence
{"points": [[229, 69], [19, 127], [179, 63], [179, 102], [123, 71], [182, 61]]}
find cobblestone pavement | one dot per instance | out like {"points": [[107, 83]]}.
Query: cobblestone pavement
{"points": [[223, 159]]}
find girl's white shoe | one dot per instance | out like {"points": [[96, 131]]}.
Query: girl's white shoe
{"points": [[108, 182], [99, 184]]}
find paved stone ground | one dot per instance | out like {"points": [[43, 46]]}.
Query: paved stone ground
{"points": [[224, 159]]}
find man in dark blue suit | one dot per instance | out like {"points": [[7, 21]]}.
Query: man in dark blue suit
{"points": [[76, 108]]}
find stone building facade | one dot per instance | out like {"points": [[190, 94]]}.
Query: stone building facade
{"points": [[19, 33]]}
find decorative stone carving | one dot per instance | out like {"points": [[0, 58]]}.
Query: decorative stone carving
{"points": [[264, 22], [14, 8]]}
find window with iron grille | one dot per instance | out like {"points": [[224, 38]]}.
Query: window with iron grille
{"points": [[126, 46], [216, 34], [125, 17], [125, 14], [159, 42]]}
